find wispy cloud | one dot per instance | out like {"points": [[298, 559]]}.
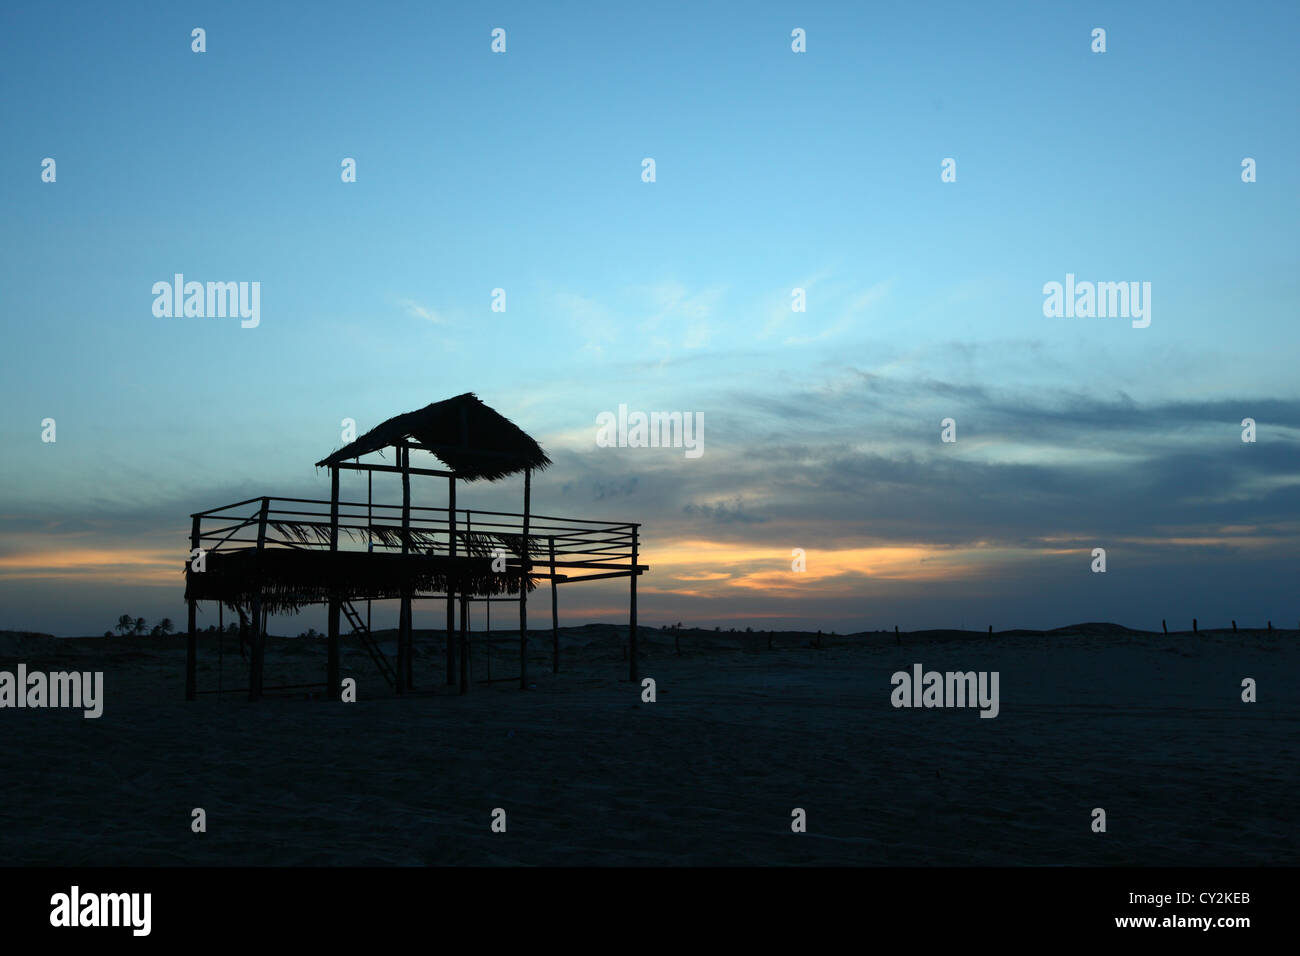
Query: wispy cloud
{"points": [[421, 311], [595, 323], [847, 315]]}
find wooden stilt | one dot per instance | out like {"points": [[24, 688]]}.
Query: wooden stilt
{"points": [[258, 657], [405, 671], [192, 654], [255, 659], [332, 676], [410, 644], [192, 637], [464, 645], [633, 674], [523, 586], [451, 590], [221, 647], [555, 614]]}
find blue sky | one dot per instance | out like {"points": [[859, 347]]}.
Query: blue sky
{"points": [[774, 170]]}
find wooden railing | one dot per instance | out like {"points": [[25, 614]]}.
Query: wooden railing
{"points": [[307, 524]]}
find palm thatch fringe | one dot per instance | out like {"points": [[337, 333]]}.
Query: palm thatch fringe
{"points": [[290, 579], [484, 543], [474, 543]]}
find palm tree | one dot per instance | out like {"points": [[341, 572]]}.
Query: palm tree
{"points": [[125, 624], [140, 625]]}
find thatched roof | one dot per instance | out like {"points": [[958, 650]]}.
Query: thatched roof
{"points": [[473, 440]]}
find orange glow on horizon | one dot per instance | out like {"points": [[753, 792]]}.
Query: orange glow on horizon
{"points": [[128, 566], [696, 568], [769, 570]]}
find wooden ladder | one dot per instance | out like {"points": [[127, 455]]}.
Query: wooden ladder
{"points": [[368, 642]]}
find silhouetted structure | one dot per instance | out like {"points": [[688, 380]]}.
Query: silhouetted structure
{"points": [[291, 552]]}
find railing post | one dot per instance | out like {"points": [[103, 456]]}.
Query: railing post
{"points": [[259, 633], [192, 638]]}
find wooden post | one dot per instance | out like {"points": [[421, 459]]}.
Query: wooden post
{"points": [[523, 585], [464, 645], [258, 657], [555, 614], [463, 642], [192, 638], [332, 677], [631, 623], [405, 675], [451, 590]]}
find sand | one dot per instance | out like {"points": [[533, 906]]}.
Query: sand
{"points": [[1149, 727]]}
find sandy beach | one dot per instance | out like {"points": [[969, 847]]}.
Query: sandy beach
{"points": [[1149, 727]]}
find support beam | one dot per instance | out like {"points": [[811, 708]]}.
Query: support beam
{"points": [[451, 590], [570, 579], [555, 615], [430, 472], [523, 585], [192, 636], [404, 670], [464, 646], [332, 676], [633, 674], [257, 659]]}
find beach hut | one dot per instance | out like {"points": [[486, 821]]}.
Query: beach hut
{"points": [[268, 555]]}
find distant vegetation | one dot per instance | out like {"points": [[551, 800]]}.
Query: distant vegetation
{"points": [[128, 626], [137, 626]]}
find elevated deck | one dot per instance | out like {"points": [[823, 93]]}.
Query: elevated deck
{"points": [[288, 553]]}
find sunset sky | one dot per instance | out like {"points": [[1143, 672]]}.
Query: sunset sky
{"points": [[774, 171]]}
